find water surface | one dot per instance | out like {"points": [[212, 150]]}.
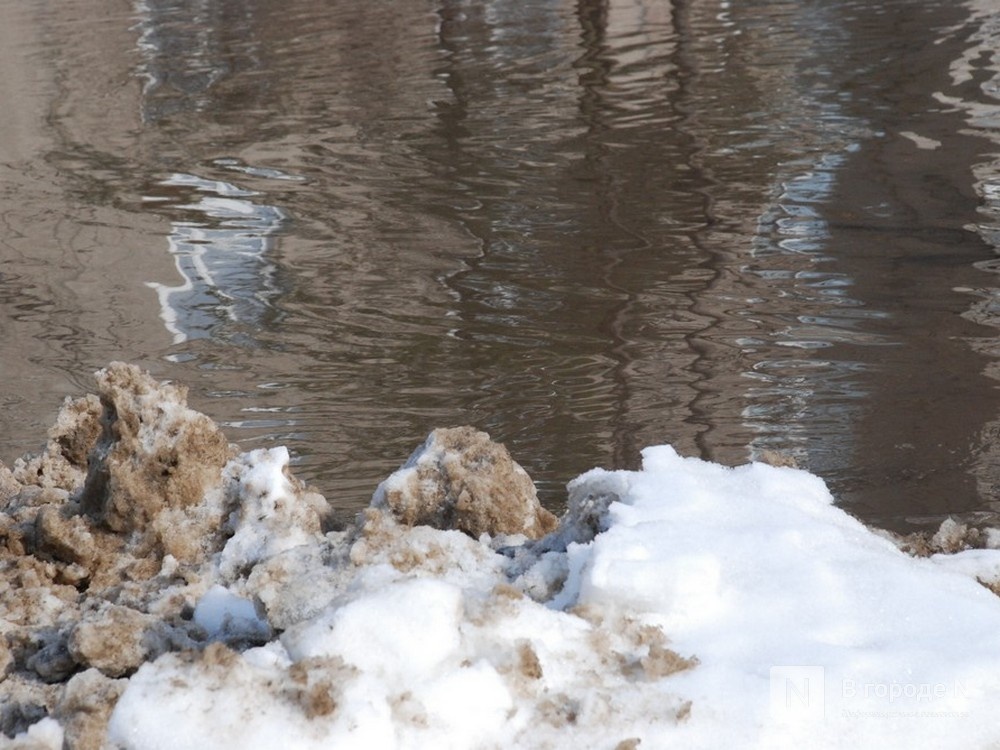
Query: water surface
{"points": [[584, 227]]}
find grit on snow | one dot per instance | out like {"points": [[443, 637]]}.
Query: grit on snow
{"points": [[159, 589]]}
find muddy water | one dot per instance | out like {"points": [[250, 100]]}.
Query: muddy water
{"points": [[584, 227]]}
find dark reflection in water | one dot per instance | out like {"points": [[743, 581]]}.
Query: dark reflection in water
{"points": [[585, 227]]}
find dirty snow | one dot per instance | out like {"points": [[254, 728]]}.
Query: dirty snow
{"points": [[158, 589]]}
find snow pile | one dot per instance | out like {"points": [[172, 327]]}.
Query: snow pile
{"points": [[686, 604], [103, 538]]}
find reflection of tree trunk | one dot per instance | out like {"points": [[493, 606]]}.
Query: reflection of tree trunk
{"points": [[634, 156], [594, 69]]}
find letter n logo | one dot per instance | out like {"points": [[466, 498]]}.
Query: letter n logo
{"points": [[798, 693]]}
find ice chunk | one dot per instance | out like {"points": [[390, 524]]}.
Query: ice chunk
{"points": [[460, 479], [153, 467], [229, 617]]}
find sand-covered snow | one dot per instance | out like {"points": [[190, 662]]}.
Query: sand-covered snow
{"points": [[160, 589]]}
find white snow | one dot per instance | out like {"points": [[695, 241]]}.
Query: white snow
{"points": [[269, 520], [684, 605], [45, 734]]}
